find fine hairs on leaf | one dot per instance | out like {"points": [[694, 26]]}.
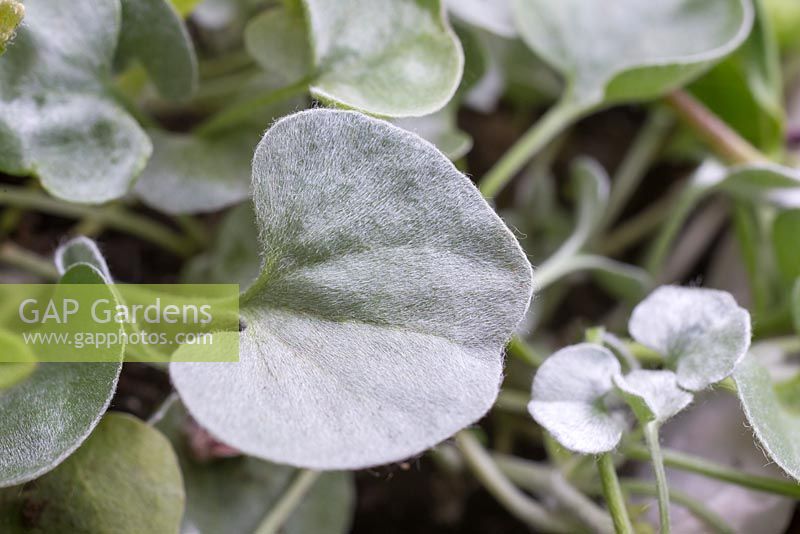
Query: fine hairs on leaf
{"points": [[568, 396], [653, 395], [389, 289], [125, 479], [701, 333], [59, 119], [56, 408]]}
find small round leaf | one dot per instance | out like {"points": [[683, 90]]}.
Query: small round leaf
{"points": [[653, 395], [568, 398], [702, 333]]}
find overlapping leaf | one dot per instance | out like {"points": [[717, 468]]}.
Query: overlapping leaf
{"points": [[58, 118], [569, 394], [630, 50], [388, 290], [653, 395], [702, 333], [233, 495], [389, 58], [45, 417], [153, 33], [492, 15], [125, 478]]}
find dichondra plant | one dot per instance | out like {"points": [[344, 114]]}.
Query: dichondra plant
{"points": [[347, 164]]}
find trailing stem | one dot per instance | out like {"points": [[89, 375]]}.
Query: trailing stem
{"points": [[288, 503], [613, 494], [651, 437]]}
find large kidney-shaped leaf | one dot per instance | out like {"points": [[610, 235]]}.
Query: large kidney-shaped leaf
{"points": [[702, 333], [58, 118], [153, 33], [44, 418], [233, 495], [388, 291], [124, 479], [568, 398], [775, 424], [630, 49], [386, 57]]}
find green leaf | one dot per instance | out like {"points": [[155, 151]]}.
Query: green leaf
{"points": [[58, 117], [776, 426], [81, 250], [494, 16], [232, 258], [631, 50], [785, 17], [785, 230], [653, 395], [568, 398], [124, 479], [388, 291], [11, 13], [277, 39], [702, 333], [54, 410], [763, 182], [745, 90], [192, 174], [153, 33], [233, 495], [185, 7], [24, 363], [384, 57]]}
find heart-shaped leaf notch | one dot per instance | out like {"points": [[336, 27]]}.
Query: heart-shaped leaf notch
{"points": [[569, 394], [384, 57], [702, 333], [388, 291]]}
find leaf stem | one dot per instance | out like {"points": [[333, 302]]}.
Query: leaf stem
{"points": [[694, 464], [652, 439], [521, 350], [16, 256], [552, 123], [110, 216], [709, 517], [496, 483], [613, 494], [546, 481], [241, 111], [282, 511], [721, 137], [637, 161]]}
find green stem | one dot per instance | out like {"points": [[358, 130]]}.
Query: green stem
{"points": [[18, 257], [636, 227], [657, 255], [720, 137], [613, 494], [110, 216], [716, 523], [686, 462], [241, 111], [193, 228], [288, 503], [545, 481], [521, 350], [513, 401], [555, 269], [517, 503], [651, 437], [637, 161], [544, 131]]}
